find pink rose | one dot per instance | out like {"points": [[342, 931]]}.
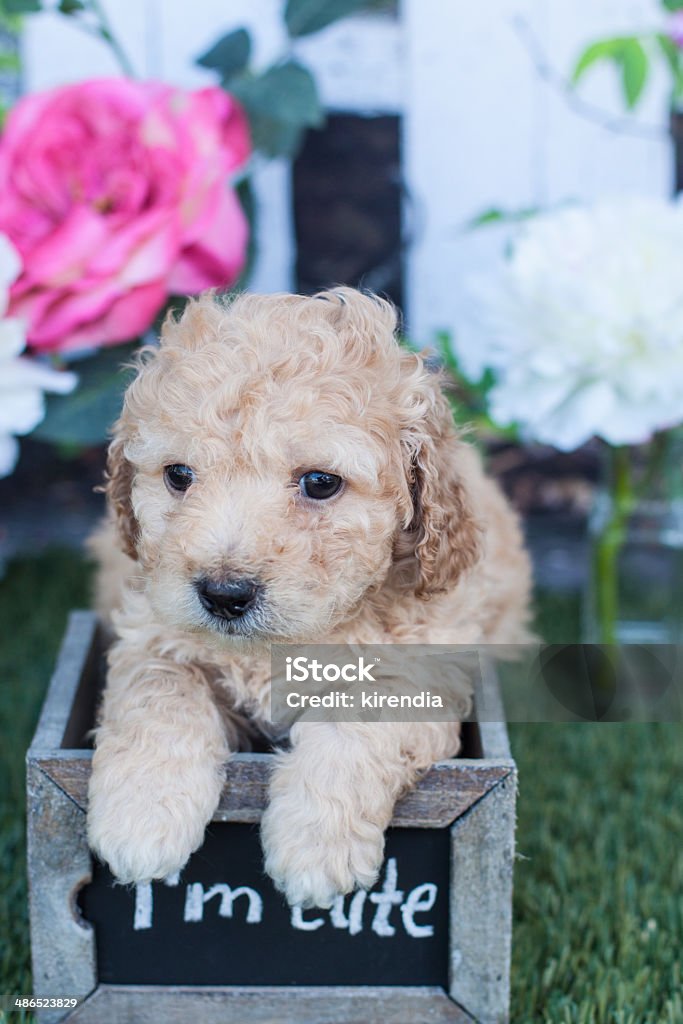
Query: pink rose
{"points": [[116, 194]]}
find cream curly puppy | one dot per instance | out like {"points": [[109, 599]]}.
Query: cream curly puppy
{"points": [[282, 471]]}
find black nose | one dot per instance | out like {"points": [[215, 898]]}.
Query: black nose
{"points": [[229, 599]]}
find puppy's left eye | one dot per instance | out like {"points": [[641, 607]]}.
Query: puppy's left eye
{"points": [[178, 477], [320, 485]]}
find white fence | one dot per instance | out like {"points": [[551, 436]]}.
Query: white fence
{"points": [[482, 126]]}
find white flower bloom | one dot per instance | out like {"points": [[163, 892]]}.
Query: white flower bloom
{"points": [[23, 381], [583, 327]]}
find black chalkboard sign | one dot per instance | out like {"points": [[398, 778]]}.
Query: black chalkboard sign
{"points": [[223, 923]]}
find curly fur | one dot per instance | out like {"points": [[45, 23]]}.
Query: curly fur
{"points": [[418, 547]]}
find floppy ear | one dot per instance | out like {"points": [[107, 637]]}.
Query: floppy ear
{"points": [[443, 539], [119, 482]]}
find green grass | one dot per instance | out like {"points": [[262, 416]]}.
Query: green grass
{"points": [[598, 908], [35, 598], [599, 883], [599, 891]]}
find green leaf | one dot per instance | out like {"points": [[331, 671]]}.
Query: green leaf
{"points": [[605, 49], [493, 216], [468, 398], [285, 92], [280, 104], [635, 68], [69, 7], [230, 55], [245, 194], [86, 415], [21, 6], [628, 54], [672, 5], [275, 138], [283, 100], [499, 216], [305, 16]]}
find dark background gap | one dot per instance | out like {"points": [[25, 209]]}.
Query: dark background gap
{"points": [[346, 185]]}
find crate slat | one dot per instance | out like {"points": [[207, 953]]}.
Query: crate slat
{"points": [[284, 1005], [443, 793]]}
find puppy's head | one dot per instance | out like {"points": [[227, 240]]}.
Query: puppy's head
{"points": [[280, 459]]}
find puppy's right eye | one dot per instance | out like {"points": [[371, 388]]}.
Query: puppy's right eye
{"points": [[320, 485], [178, 477]]}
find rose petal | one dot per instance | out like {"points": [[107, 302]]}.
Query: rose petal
{"points": [[128, 317], [217, 259]]}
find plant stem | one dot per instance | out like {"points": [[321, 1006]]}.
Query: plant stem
{"points": [[104, 31], [610, 543], [656, 463]]}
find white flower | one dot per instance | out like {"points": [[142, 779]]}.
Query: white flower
{"points": [[22, 380], [583, 327]]}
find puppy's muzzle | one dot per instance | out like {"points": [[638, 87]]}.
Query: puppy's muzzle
{"points": [[228, 599]]}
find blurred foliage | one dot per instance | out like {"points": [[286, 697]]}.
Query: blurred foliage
{"points": [[632, 57], [281, 100], [303, 17], [629, 56], [89, 15], [88, 414], [497, 216], [468, 399], [230, 55], [281, 104], [10, 65], [245, 192], [9, 7]]}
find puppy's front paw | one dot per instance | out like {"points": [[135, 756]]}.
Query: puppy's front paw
{"points": [[145, 827], [315, 852]]}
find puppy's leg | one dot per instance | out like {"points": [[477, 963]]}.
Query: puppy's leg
{"points": [[332, 797], [158, 766]]}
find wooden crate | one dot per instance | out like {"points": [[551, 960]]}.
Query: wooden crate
{"points": [[469, 801]]}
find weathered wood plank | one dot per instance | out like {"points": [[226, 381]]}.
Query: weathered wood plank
{"points": [[443, 793], [490, 713], [482, 859], [124, 1004], [447, 791], [243, 799], [75, 661], [62, 944]]}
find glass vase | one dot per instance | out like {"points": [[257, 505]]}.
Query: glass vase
{"points": [[635, 583]]}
